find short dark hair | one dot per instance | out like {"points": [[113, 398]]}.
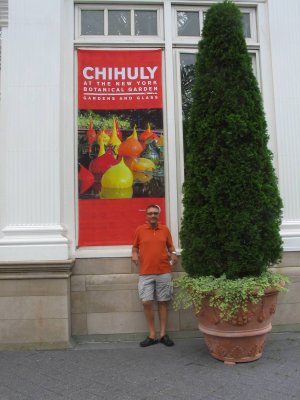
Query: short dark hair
{"points": [[153, 206]]}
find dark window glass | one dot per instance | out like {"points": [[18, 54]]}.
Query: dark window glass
{"points": [[119, 22], [145, 23], [187, 74], [92, 22], [246, 25], [188, 23]]}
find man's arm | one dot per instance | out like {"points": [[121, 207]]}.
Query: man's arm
{"points": [[173, 255], [135, 247], [135, 255], [171, 248]]}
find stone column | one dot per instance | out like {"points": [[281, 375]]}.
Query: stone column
{"points": [[285, 57], [34, 249], [35, 305], [30, 134]]}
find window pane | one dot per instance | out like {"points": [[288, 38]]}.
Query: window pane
{"points": [[253, 59], [188, 23], [119, 22], [187, 74], [246, 25], [92, 22], [145, 23]]}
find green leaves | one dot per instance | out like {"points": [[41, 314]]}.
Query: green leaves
{"points": [[227, 295], [99, 122], [232, 206]]}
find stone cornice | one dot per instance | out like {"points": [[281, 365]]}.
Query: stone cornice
{"points": [[36, 270]]}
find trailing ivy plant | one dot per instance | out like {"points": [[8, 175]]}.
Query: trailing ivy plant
{"points": [[232, 207], [227, 295]]}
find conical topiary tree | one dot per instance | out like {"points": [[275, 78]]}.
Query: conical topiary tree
{"points": [[232, 206]]}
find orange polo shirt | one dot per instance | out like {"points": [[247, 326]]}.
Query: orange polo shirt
{"points": [[153, 245]]}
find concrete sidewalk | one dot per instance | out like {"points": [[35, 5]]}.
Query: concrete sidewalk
{"points": [[124, 371]]}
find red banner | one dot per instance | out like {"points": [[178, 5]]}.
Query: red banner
{"points": [[120, 143], [113, 222], [119, 79]]}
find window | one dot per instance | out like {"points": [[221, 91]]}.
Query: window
{"points": [[119, 22], [189, 22], [187, 75], [187, 26], [92, 22], [145, 22], [120, 25], [107, 22], [246, 25]]}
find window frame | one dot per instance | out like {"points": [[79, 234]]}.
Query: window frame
{"points": [[110, 39], [171, 45], [109, 251], [199, 11], [254, 53], [192, 40]]}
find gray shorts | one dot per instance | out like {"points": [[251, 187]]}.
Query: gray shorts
{"points": [[155, 287]]}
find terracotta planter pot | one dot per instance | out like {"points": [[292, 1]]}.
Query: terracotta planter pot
{"points": [[241, 339]]}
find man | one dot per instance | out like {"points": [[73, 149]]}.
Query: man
{"points": [[153, 249]]}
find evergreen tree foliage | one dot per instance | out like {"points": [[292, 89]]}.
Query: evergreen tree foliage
{"points": [[232, 206]]}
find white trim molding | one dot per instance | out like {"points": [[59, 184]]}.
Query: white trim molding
{"points": [[33, 243], [104, 251], [30, 154], [290, 233]]}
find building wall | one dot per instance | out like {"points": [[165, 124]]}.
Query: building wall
{"points": [[285, 56], [105, 303], [35, 305], [38, 116], [105, 300]]}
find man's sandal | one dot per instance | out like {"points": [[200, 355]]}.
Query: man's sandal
{"points": [[166, 341], [148, 342]]}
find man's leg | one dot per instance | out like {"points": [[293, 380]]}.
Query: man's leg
{"points": [[164, 290], [163, 317], [148, 311], [146, 289]]}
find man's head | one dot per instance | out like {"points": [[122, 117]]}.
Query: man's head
{"points": [[152, 214]]}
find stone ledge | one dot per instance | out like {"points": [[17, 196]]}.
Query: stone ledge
{"points": [[33, 287], [290, 259], [115, 281], [290, 271], [111, 282], [135, 337], [33, 308], [102, 266], [29, 331], [285, 328], [37, 346], [129, 337], [32, 270]]}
